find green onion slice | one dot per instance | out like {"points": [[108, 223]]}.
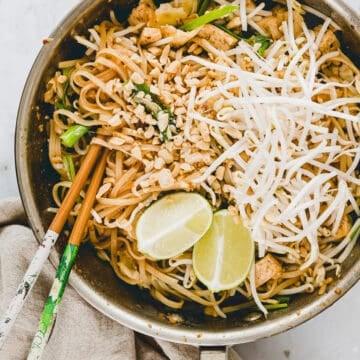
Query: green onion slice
{"points": [[73, 134], [69, 167], [209, 17]]}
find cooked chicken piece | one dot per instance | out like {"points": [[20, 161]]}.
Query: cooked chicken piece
{"points": [[272, 24], [217, 37], [149, 35], [143, 13], [265, 269], [179, 37], [282, 15], [235, 22], [329, 41]]}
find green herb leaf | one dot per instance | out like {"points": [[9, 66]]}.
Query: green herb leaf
{"points": [[154, 106], [146, 89], [69, 167], [263, 40], [143, 87], [73, 134], [209, 17], [166, 134], [62, 103], [149, 104]]}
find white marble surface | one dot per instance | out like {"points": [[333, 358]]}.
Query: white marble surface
{"points": [[333, 335]]}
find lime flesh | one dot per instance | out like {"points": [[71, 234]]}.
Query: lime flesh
{"points": [[173, 224], [222, 258]]}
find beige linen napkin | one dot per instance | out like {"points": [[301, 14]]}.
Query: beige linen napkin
{"points": [[81, 332]]}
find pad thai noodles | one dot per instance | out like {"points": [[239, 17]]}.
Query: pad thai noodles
{"points": [[256, 108]]}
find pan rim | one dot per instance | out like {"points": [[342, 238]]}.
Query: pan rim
{"points": [[130, 319]]}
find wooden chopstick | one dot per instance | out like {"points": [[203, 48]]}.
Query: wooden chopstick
{"points": [[83, 174], [49, 313], [50, 237]]}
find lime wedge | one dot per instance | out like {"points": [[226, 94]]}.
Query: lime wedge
{"points": [[222, 258], [173, 224]]}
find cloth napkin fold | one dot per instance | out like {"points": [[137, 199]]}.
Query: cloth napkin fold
{"points": [[81, 332]]}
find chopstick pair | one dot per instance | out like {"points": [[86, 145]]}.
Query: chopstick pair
{"points": [[48, 316], [50, 237]]}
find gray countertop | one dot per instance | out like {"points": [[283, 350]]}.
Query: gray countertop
{"points": [[332, 335]]}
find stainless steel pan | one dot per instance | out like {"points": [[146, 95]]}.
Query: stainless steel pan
{"points": [[93, 279]]}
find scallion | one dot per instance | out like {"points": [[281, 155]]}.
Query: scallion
{"points": [[62, 103], [73, 134], [69, 167], [276, 306], [228, 31], [203, 5], [209, 17], [263, 40], [282, 299]]}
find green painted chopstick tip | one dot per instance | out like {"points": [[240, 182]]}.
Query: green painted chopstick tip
{"points": [[48, 315]]}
